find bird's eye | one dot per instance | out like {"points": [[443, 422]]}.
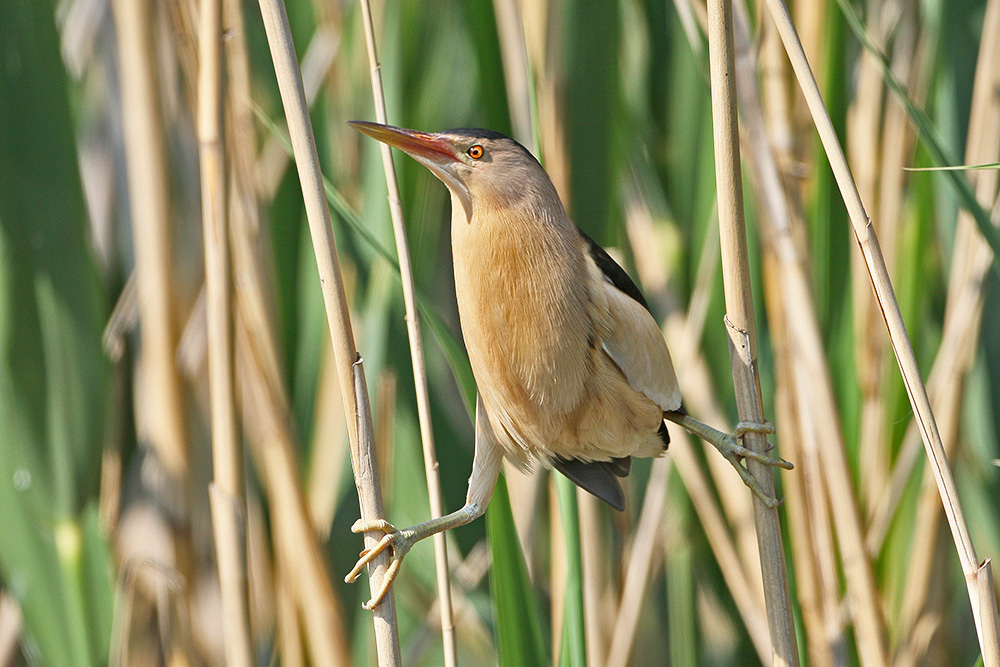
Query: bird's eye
{"points": [[475, 152]]}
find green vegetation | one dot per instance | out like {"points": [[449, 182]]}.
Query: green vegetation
{"points": [[106, 543]]}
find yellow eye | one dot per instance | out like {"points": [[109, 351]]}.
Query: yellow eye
{"points": [[475, 152]]}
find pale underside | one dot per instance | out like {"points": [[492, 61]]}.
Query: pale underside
{"points": [[567, 364]]}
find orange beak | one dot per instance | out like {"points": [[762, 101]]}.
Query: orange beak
{"points": [[431, 147]]}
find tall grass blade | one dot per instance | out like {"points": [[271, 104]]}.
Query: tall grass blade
{"points": [[518, 629], [53, 376], [573, 646]]}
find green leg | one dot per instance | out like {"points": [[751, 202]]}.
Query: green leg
{"points": [[729, 446]]}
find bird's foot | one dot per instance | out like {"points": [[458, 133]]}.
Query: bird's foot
{"points": [[735, 452], [399, 541]]}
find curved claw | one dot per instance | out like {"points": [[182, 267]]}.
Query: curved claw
{"points": [[387, 579], [734, 452], [392, 538], [729, 446], [754, 427], [739, 452]]}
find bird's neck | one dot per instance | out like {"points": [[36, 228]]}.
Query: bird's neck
{"points": [[526, 242]]}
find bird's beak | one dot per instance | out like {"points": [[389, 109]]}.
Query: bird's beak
{"points": [[423, 146], [434, 151]]}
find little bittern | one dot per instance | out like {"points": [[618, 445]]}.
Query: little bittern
{"points": [[571, 367]]}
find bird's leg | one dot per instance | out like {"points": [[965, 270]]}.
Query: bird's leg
{"points": [[401, 541], [730, 447], [485, 469]]}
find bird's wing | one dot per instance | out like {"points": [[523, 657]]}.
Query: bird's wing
{"points": [[633, 340], [598, 477], [612, 271]]}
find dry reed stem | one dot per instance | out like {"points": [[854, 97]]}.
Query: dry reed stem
{"points": [[714, 525], [738, 561], [513, 52], [738, 512], [991, 624], [645, 545], [300, 558], [329, 449], [971, 260], [912, 58], [955, 354], [740, 323], [10, 629], [899, 142], [161, 409], [813, 394], [307, 161], [811, 594], [288, 642], [301, 576], [864, 125], [416, 350], [227, 490], [593, 555], [882, 285], [303, 142], [699, 394], [316, 63], [261, 575], [524, 489], [811, 533], [744, 583], [385, 427]]}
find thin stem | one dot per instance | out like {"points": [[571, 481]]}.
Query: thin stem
{"points": [[416, 352], [825, 472], [279, 40], [160, 393], [227, 490], [644, 545], [867, 240], [740, 324]]}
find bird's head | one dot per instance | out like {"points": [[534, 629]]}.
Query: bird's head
{"points": [[482, 168]]}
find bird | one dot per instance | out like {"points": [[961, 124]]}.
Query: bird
{"points": [[570, 366]]}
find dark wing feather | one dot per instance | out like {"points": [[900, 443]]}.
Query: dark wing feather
{"points": [[615, 274], [599, 478], [664, 435]]}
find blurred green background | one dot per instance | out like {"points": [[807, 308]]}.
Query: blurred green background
{"points": [[95, 527]]}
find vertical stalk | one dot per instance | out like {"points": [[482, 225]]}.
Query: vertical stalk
{"points": [[160, 405], [916, 391], [824, 480], [740, 323], [289, 77], [573, 646], [226, 492], [645, 546], [160, 393], [416, 351]]}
